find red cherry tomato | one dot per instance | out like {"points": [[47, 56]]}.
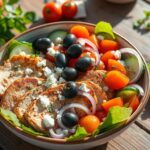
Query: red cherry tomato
{"points": [[72, 62], [101, 115], [52, 12], [69, 9]]}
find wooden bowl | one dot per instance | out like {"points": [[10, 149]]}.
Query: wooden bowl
{"points": [[50, 143]]}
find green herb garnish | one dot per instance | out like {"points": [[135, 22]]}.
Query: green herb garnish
{"points": [[13, 20], [143, 23], [116, 116]]}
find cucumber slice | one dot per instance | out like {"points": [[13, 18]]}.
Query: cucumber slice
{"points": [[16, 48], [57, 33], [133, 63], [127, 94]]}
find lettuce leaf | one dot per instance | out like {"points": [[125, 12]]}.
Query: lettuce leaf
{"points": [[116, 116], [79, 135], [10, 116], [104, 29], [31, 131]]}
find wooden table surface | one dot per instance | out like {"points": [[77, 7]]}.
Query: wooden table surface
{"points": [[137, 136]]}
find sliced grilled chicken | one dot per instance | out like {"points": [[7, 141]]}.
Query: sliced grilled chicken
{"points": [[35, 112], [16, 90], [20, 66], [22, 105], [97, 77]]}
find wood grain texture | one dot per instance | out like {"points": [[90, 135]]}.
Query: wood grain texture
{"points": [[136, 137]]}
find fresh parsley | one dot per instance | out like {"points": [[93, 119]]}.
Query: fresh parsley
{"points": [[13, 19]]}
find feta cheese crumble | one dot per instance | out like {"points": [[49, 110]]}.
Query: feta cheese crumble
{"points": [[58, 70], [48, 121], [41, 63], [83, 88], [47, 71], [51, 81], [61, 97], [28, 71], [44, 101], [52, 52]]}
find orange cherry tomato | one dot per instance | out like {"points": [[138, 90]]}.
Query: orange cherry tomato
{"points": [[69, 9], [94, 40], [113, 102], [108, 55], [52, 12], [108, 45], [116, 65], [116, 80], [90, 123], [80, 31], [134, 103]]}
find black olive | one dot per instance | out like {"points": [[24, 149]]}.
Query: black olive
{"points": [[74, 51], [83, 64], [70, 90], [70, 74], [70, 119], [42, 44], [69, 40], [61, 60]]}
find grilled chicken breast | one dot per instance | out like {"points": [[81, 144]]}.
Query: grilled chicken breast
{"points": [[97, 77], [19, 66], [16, 90], [35, 112]]}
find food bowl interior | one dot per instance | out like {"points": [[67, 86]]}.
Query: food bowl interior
{"points": [[44, 30]]}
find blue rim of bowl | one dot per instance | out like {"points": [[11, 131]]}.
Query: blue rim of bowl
{"points": [[104, 135]]}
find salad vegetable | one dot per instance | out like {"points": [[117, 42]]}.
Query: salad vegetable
{"points": [[115, 116]]}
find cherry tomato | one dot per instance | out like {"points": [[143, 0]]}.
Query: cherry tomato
{"points": [[80, 31], [72, 62], [101, 115], [52, 12], [94, 40], [69, 9], [108, 45], [90, 123], [1, 3]]}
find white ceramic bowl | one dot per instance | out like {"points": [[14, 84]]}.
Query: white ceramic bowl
{"points": [[49, 143]]}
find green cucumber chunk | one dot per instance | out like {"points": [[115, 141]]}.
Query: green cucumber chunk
{"points": [[127, 93], [132, 66], [57, 33], [17, 47]]}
